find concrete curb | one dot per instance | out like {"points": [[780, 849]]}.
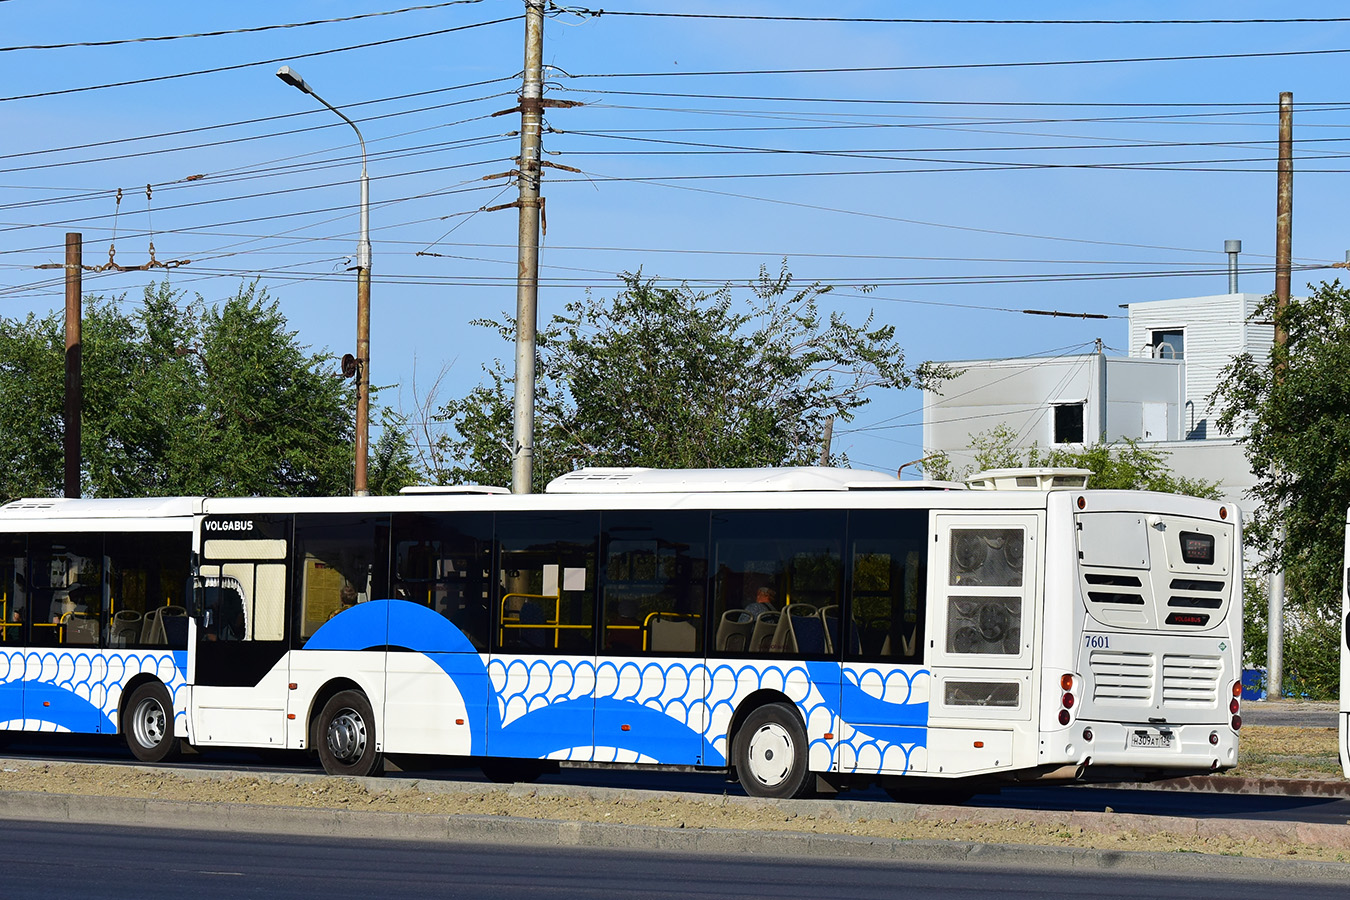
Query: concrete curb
{"points": [[1230, 784], [374, 825]]}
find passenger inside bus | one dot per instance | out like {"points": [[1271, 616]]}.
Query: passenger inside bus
{"points": [[765, 600]]}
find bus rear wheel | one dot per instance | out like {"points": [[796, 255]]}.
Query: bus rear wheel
{"points": [[346, 736], [148, 727], [770, 753]]}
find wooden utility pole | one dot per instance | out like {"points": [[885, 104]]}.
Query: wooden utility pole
{"points": [[1284, 220], [74, 381], [527, 275]]}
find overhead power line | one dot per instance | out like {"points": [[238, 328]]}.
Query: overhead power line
{"points": [[877, 20], [254, 30], [278, 117], [260, 62], [845, 70]]}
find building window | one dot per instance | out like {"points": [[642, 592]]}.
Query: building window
{"points": [[1168, 344], [1068, 423]]}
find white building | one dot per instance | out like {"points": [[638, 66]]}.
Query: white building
{"points": [[1158, 394]]}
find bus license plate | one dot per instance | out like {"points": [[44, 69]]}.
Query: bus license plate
{"points": [[1150, 741]]}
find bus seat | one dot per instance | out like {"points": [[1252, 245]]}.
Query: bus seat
{"points": [[174, 621], [152, 626], [733, 632], [829, 617], [783, 640], [874, 634], [762, 636], [531, 614], [671, 634], [125, 629], [808, 631], [152, 632], [79, 628]]}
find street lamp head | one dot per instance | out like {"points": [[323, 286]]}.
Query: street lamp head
{"points": [[292, 77]]}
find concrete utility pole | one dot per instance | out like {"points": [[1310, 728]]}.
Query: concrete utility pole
{"points": [[74, 380], [1284, 219], [527, 274]]}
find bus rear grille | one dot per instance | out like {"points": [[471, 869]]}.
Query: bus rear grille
{"points": [[1191, 680], [1121, 677]]}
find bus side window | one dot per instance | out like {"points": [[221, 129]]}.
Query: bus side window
{"points": [[146, 572], [442, 561], [66, 588], [985, 581], [889, 582], [778, 578], [341, 560], [546, 582], [13, 588], [655, 581]]}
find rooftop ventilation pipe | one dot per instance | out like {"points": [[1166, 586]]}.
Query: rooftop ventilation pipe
{"points": [[1232, 248]]}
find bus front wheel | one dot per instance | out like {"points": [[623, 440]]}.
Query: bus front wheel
{"points": [[346, 736], [148, 728], [770, 753]]}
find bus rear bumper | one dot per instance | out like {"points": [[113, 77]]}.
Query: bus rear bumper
{"points": [[1173, 749]]}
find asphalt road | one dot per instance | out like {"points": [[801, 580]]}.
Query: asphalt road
{"points": [[53, 861]]}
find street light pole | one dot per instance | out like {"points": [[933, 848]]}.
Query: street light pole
{"points": [[291, 77]]}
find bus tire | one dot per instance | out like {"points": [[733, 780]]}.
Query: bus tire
{"points": [[148, 724], [346, 736], [770, 753]]}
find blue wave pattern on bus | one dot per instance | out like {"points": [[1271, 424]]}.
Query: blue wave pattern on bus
{"points": [[536, 703], [873, 747], [92, 697]]}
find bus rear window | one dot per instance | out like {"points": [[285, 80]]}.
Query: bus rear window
{"points": [[1197, 549]]}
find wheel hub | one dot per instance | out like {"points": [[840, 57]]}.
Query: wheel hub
{"points": [[149, 723], [771, 754], [347, 735]]}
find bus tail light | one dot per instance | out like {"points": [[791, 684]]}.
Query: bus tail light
{"points": [[1235, 706], [1066, 698]]}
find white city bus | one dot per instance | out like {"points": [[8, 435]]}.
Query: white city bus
{"points": [[806, 629], [1345, 660]]}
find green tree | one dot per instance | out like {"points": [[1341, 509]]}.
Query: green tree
{"points": [[677, 378], [179, 398], [393, 462], [1291, 412], [1123, 465]]}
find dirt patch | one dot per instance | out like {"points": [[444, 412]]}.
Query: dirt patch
{"points": [[1283, 752], [882, 820]]}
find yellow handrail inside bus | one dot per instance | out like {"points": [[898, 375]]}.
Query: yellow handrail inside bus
{"points": [[5, 623], [646, 631], [548, 624]]}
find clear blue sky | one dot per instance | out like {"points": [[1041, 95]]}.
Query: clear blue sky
{"points": [[965, 192]]}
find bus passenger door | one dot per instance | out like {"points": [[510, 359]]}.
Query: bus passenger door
{"points": [[543, 668], [884, 699], [984, 601], [239, 668]]}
